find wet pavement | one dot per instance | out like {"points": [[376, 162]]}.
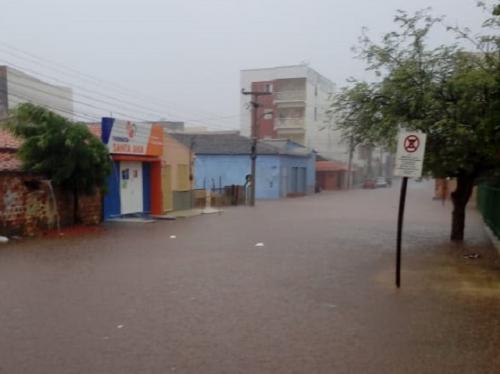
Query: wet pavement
{"points": [[316, 297]]}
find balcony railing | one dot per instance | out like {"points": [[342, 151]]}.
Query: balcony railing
{"points": [[289, 123], [290, 96]]}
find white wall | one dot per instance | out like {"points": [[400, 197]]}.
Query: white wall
{"points": [[259, 75], [326, 141], [22, 87], [321, 134]]}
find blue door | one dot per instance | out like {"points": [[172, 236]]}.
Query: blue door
{"points": [[112, 197], [146, 186]]}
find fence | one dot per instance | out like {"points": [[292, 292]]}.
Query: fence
{"points": [[196, 198], [488, 202], [228, 195]]}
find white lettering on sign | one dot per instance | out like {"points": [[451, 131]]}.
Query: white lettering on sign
{"points": [[410, 154]]}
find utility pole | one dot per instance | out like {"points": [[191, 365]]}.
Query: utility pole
{"points": [[253, 154]]}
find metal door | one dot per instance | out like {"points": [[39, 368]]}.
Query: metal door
{"points": [[131, 198], [301, 180], [293, 179], [284, 181]]}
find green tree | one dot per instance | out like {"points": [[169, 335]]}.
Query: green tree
{"points": [[64, 151], [451, 94]]}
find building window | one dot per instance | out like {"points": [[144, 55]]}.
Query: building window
{"points": [[315, 113], [269, 87], [316, 90]]}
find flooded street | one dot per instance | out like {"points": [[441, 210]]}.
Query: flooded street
{"points": [[317, 296]]}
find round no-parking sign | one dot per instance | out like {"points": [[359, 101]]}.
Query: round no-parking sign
{"points": [[410, 154], [411, 143]]}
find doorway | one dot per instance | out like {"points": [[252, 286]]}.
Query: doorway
{"points": [[131, 191]]}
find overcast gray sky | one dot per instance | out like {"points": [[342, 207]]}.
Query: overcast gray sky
{"points": [[183, 57]]}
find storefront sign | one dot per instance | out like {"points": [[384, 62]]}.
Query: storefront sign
{"points": [[132, 138]]}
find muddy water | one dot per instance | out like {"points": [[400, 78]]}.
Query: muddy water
{"points": [[198, 295]]}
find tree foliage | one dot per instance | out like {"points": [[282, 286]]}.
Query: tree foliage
{"points": [[65, 152], [449, 92]]}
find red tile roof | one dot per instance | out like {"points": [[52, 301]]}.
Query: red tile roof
{"points": [[9, 144], [9, 141], [330, 166]]}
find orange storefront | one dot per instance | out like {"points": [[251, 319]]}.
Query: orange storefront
{"points": [[134, 186]]}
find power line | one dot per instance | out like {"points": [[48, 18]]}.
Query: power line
{"points": [[73, 71], [68, 84], [96, 100], [76, 72], [51, 107], [61, 110], [70, 99], [76, 101]]}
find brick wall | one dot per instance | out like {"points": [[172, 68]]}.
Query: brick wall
{"points": [[27, 208]]}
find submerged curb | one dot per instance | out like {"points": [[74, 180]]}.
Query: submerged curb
{"points": [[494, 240]]}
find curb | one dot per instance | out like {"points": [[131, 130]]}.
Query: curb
{"points": [[494, 240]]}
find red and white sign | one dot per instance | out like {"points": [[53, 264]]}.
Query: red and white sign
{"points": [[410, 154], [411, 143], [131, 138]]}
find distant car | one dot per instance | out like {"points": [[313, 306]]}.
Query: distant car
{"points": [[369, 183], [380, 182]]}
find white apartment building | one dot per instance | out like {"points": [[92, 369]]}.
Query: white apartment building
{"points": [[18, 87], [295, 110]]}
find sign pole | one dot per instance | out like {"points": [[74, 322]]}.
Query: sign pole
{"points": [[401, 212], [409, 163]]}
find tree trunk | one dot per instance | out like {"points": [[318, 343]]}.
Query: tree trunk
{"points": [[76, 218], [460, 197]]}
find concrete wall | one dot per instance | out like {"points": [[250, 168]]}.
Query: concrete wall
{"points": [[174, 154], [232, 169], [22, 88], [26, 206], [321, 134]]}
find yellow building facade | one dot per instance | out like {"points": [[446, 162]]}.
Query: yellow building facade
{"points": [[177, 171]]}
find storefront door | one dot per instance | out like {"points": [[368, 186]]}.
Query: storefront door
{"points": [[131, 196]]}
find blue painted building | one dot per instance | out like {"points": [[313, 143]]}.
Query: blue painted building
{"points": [[284, 168]]}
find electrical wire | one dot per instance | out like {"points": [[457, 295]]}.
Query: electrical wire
{"points": [[68, 99], [37, 60], [13, 72], [104, 83], [59, 109], [24, 99], [142, 109], [71, 100]]}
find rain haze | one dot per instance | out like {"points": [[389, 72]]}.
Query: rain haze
{"points": [[180, 60], [198, 187]]}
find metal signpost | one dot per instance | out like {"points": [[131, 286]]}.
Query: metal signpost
{"points": [[409, 163]]}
